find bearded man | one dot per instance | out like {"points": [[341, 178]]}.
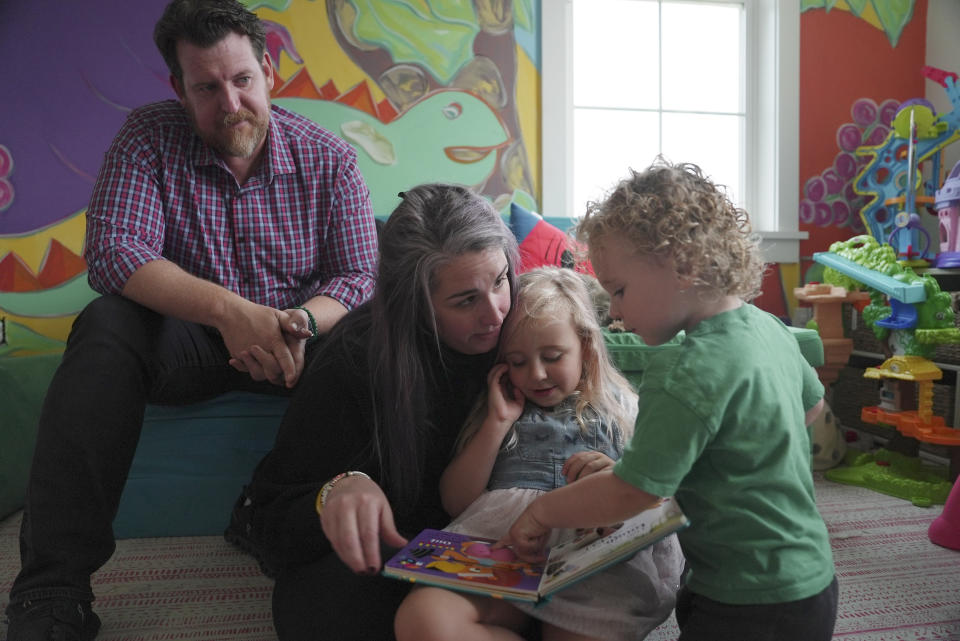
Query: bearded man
{"points": [[226, 235]]}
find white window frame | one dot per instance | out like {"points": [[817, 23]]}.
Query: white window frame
{"points": [[772, 104]]}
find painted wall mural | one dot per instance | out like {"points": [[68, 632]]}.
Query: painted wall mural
{"points": [[856, 69], [891, 16], [829, 198], [424, 90]]}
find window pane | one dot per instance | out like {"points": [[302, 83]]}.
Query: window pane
{"points": [[712, 142], [606, 143], [615, 52], [702, 56]]}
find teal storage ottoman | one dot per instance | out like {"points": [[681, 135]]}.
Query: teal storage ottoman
{"points": [[192, 462]]}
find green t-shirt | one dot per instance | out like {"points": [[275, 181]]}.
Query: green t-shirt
{"points": [[721, 427]]}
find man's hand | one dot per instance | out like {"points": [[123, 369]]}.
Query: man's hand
{"points": [[259, 345], [266, 343]]}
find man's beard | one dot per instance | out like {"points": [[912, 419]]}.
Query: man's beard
{"points": [[236, 142]]}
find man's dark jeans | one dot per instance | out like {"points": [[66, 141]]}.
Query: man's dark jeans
{"points": [[119, 356]]}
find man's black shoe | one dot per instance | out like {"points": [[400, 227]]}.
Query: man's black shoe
{"points": [[52, 620]]}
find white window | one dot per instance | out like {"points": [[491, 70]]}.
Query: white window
{"points": [[713, 82]]}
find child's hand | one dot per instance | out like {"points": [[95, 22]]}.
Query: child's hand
{"points": [[585, 463], [504, 401], [527, 537]]}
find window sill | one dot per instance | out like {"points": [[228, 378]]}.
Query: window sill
{"points": [[781, 246]]}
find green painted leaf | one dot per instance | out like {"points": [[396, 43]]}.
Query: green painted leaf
{"points": [[437, 34], [894, 16], [276, 5]]}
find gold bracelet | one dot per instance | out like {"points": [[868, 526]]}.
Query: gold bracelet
{"points": [[325, 490]]}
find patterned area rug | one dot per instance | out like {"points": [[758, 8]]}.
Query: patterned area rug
{"points": [[895, 585], [168, 588]]}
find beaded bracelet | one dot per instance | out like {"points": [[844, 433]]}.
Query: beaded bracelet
{"points": [[314, 333], [325, 490]]}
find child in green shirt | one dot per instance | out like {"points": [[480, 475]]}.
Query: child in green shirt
{"points": [[722, 417]]}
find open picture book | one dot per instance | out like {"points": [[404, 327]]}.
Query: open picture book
{"points": [[470, 564]]}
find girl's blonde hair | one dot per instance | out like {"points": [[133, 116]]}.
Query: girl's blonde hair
{"points": [[548, 294], [673, 212]]}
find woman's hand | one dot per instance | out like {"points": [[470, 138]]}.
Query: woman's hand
{"points": [[356, 516], [504, 401], [585, 463]]}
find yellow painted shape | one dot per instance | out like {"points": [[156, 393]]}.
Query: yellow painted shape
{"points": [[57, 328], [322, 56], [32, 246], [869, 13], [528, 101], [789, 280]]}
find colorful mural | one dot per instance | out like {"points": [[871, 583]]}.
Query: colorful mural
{"points": [[852, 81], [829, 198], [424, 90], [890, 16]]}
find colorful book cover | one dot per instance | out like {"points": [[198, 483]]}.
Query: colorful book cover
{"points": [[464, 562], [471, 564]]}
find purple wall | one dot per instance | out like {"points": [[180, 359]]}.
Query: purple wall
{"points": [[77, 69]]}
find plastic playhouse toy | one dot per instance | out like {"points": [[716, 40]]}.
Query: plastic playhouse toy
{"points": [[892, 174], [827, 302], [912, 315], [947, 204], [905, 236], [896, 474], [920, 424]]}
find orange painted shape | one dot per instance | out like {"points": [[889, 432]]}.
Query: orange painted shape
{"points": [[359, 97], [329, 90], [299, 85], [16, 276], [386, 111], [60, 265]]}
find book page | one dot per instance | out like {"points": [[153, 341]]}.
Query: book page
{"points": [[597, 548]]}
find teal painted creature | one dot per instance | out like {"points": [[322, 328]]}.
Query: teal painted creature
{"points": [[67, 298], [450, 136]]}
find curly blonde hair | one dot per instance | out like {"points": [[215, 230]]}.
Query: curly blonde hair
{"points": [[673, 212]]}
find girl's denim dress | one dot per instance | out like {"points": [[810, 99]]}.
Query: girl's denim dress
{"points": [[542, 440]]}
